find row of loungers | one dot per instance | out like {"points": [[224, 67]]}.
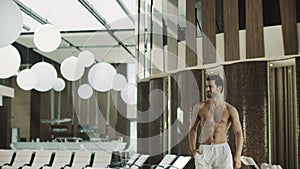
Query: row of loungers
{"points": [[11, 159], [82, 159], [108, 146]]}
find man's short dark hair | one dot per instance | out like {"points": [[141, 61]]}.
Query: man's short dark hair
{"points": [[218, 80]]}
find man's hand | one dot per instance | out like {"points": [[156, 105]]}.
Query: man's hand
{"points": [[237, 162], [194, 151]]}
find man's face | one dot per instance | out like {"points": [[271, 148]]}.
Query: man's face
{"points": [[211, 89]]}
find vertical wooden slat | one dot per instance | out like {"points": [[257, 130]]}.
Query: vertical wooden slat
{"points": [[254, 29], [143, 115], [190, 34], [289, 26], [231, 30], [208, 12], [298, 99], [172, 29], [156, 119], [5, 116], [121, 107]]}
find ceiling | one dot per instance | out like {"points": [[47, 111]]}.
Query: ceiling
{"points": [[110, 38]]}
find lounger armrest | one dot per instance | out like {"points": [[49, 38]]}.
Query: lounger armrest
{"points": [[25, 165], [67, 165], [156, 165], [135, 165], [46, 165], [171, 167], [6, 164]]}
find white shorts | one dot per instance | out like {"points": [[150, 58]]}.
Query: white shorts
{"points": [[214, 156]]}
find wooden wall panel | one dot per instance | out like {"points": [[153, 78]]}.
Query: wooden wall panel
{"points": [[5, 115], [190, 34], [298, 99], [186, 91], [289, 26], [254, 29], [121, 108], [231, 30], [143, 129], [208, 12], [271, 12], [156, 113], [247, 90], [45, 113]]}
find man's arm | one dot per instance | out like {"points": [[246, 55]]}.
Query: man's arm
{"points": [[237, 129], [193, 129]]}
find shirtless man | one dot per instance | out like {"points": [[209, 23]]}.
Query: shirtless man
{"points": [[215, 117]]}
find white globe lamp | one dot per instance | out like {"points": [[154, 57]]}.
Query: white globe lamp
{"points": [[70, 69], [10, 61], [129, 94], [86, 58], [11, 22], [26, 79], [46, 76], [59, 85], [119, 82], [85, 91], [101, 76], [47, 38]]}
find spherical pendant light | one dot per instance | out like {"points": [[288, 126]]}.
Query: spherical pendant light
{"points": [[119, 82], [47, 38], [101, 76], [85, 91], [26, 79], [46, 76], [11, 20], [59, 85], [71, 69], [10, 61], [86, 58], [129, 94]]}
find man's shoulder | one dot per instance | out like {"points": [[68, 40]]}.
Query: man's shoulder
{"points": [[203, 104], [199, 105], [230, 107]]}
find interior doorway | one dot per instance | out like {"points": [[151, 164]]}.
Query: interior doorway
{"points": [[283, 114]]}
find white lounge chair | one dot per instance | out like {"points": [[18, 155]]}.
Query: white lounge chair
{"points": [[249, 162], [166, 161], [180, 162]]}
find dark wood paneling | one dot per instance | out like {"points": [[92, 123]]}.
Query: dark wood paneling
{"points": [[35, 110], [156, 112], [271, 12], [242, 14], [298, 10], [247, 90], [254, 29], [5, 115], [219, 16], [298, 98], [289, 26], [123, 126], [190, 34], [208, 12], [45, 113], [186, 91], [143, 129], [231, 30]]}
